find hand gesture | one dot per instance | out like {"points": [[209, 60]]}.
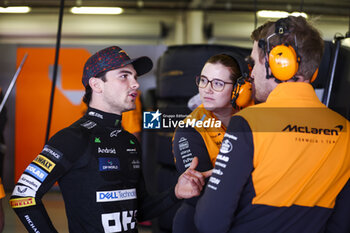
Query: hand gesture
{"points": [[191, 182]]}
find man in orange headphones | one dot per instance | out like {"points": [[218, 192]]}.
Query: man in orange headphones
{"points": [[284, 164]]}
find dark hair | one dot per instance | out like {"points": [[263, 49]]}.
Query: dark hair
{"points": [[88, 90], [229, 62], [310, 43]]}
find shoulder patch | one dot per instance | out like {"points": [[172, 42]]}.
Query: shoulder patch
{"points": [[51, 152]]}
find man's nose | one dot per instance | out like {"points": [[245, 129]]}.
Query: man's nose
{"points": [[134, 84]]}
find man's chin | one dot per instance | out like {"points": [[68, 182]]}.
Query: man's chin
{"points": [[130, 108]]}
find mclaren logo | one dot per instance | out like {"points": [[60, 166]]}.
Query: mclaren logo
{"points": [[310, 130]]}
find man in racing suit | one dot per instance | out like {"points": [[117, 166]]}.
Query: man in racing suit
{"points": [[284, 164], [96, 163]]}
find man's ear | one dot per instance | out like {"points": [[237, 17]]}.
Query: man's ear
{"points": [[96, 84]]}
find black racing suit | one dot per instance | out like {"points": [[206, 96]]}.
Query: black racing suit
{"points": [[189, 142], [98, 168]]}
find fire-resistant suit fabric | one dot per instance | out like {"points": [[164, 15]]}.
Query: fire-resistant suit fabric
{"points": [[283, 166], [98, 169], [193, 140]]}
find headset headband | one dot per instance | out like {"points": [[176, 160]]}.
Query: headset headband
{"points": [[243, 67], [242, 90]]}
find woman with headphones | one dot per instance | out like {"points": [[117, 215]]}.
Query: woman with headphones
{"points": [[223, 91]]}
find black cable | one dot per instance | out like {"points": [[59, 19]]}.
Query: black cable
{"points": [[58, 44]]}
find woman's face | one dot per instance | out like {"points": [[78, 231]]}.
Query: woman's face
{"points": [[212, 99]]}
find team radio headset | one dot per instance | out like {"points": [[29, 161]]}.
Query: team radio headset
{"points": [[242, 90], [283, 59]]}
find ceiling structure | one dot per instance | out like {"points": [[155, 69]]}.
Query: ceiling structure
{"points": [[320, 7]]}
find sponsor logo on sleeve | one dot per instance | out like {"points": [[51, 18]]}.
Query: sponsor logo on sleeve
{"points": [[214, 180], [218, 172], [37, 172], [52, 152], [116, 195], [187, 161], [183, 144], [185, 152], [22, 202], [23, 191], [223, 158], [29, 181], [44, 162], [226, 146], [109, 164], [217, 163], [31, 224], [230, 136]]}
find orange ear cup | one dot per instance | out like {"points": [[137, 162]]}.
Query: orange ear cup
{"points": [[314, 76], [283, 62], [242, 95]]}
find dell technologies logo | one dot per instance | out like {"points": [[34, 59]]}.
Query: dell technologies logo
{"points": [[116, 195]]}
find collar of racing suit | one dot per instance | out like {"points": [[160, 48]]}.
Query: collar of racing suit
{"points": [[303, 94], [104, 118]]}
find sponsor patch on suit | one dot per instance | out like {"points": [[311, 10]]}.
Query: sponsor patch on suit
{"points": [[52, 153], [44, 162], [29, 181], [109, 164], [37, 172], [116, 195], [22, 202], [23, 191]]}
